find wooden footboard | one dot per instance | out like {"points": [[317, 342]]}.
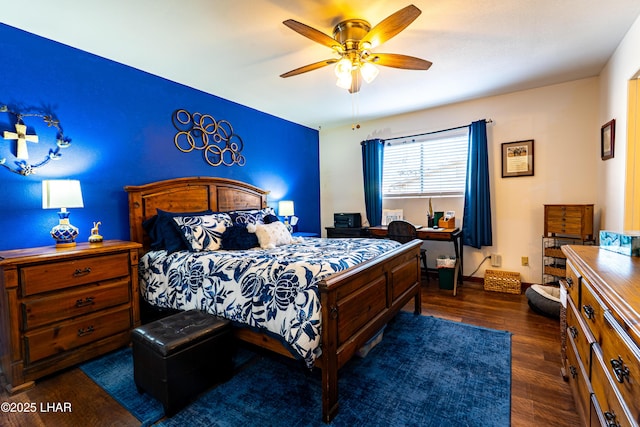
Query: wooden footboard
{"points": [[357, 303]]}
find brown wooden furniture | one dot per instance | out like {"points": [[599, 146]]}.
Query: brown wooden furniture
{"points": [[63, 306], [569, 220], [356, 303], [601, 339], [453, 235], [342, 232]]}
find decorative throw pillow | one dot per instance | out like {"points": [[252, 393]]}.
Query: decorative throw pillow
{"points": [[238, 237], [203, 233], [268, 219], [163, 232], [271, 235], [250, 216]]}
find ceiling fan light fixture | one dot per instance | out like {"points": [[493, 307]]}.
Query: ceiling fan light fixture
{"points": [[368, 71], [344, 82], [343, 68]]}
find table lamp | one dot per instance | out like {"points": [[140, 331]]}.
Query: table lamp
{"points": [[62, 194], [285, 209]]}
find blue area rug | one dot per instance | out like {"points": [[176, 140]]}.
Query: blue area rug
{"points": [[425, 372]]}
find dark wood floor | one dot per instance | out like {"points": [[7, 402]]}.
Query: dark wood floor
{"points": [[539, 396]]}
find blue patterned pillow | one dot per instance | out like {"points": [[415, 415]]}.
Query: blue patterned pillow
{"points": [[250, 216], [163, 232], [203, 233]]}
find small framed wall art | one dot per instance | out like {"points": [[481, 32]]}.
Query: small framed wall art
{"points": [[607, 139], [517, 158]]}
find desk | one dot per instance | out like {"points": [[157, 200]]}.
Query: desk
{"points": [[441, 234]]}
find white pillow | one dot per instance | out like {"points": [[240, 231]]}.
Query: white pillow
{"points": [[271, 235]]}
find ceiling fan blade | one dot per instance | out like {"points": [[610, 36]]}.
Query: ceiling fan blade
{"points": [[313, 34], [356, 81], [391, 26], [399, 61], [309, 67]]}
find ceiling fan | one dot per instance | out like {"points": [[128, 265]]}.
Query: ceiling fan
{"points": [[353, 40]]}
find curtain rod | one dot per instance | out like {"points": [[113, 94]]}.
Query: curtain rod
{"points": [[431, 133]]}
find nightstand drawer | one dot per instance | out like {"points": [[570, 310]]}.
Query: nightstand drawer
{"points": [[69, 335], [59, 275], [64, 305]]}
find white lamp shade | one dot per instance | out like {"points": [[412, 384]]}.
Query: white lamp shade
{"points": [[61, 193], [369, 72], [285, 208]]}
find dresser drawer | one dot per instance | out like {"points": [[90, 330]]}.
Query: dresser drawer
{"points": [[620, 356], [591, 310], [578, 380], [59, 275], [75, 333], [40, 311], [580, 334], [613, 408], [572, 284]]}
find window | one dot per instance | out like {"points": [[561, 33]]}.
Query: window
{"points": [[426, 166]]}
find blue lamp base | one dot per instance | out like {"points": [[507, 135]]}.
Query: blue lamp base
{"points": [[64, 233]]}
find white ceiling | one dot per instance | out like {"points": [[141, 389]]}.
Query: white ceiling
{"points": [[237, 49]]}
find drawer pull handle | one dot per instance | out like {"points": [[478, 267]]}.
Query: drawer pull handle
{"points": [[82, 331], [589, 311], [620, 370], [573, 331], [84, 302], [611, 419], [573, 371], [81, 272], [569, 282]]}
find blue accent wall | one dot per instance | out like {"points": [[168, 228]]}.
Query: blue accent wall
{"points": [[119, 122]]}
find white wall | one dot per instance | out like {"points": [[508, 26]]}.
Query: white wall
{"points": [[622, 66], [564, 122]]}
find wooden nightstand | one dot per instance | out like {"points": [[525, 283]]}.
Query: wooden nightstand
{"points": [[60, 307]]}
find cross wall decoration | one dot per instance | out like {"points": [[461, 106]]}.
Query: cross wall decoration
{"points": [[22, 137]]}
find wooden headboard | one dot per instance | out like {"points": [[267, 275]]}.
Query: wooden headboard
{"points": [[188, 195]]}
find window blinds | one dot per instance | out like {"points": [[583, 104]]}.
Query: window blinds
{"points": [[426, 166]]}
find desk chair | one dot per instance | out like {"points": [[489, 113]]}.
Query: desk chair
{"points": [[403, 232]]}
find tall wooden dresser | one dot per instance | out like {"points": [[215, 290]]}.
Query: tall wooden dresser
{"points": [[59, 307], [601, 339]]}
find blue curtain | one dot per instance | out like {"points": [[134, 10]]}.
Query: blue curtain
{"points": [[476, 225], [372, 155]]}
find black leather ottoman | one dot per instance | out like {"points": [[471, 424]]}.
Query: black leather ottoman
{"points": [[177, 357]]}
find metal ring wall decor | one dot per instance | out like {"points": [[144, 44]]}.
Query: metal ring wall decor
{"points": [[216, 139], [22, 139]]}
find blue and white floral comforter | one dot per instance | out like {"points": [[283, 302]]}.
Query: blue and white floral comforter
{"points": [[268, 289]]}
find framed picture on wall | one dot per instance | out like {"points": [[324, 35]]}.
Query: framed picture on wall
{"points": [[389, 215], [607, 139], [517, 158]]}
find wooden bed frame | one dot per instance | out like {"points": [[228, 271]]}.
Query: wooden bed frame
{"points": [[356, 303]]}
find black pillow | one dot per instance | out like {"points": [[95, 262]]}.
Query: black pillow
{"points": [[238, 238], [268, 219], [165, 233]]}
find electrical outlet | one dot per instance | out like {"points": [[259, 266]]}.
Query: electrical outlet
{"points": [[496, 260], [525, 261]]}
